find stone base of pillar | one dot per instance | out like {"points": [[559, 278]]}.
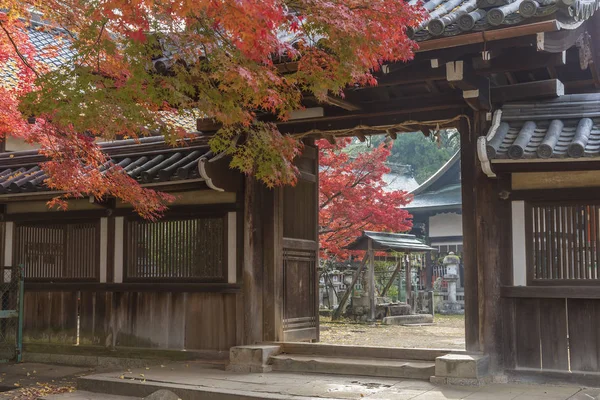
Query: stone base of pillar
{"points": [[251, 359], [462, 370]]}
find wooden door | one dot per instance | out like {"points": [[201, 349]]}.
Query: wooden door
{"points": [[301, 253]]}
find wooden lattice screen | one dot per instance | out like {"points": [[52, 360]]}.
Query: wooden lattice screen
{"points": [[58, 251], [183, 248], [563, 243]]}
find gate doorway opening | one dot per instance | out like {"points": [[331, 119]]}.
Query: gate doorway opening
{"points": [[343, 298]]}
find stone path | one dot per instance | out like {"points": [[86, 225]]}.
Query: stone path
{"points": [[198, 381]]}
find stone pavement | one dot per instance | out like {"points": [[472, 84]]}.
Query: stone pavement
{"points": [[195, 380], [14, 378]]}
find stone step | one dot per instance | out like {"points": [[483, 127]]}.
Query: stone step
{"points": [[345, 351], [83, 395], [381, 367]]}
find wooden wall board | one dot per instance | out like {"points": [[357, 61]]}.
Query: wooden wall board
{"points": [[528, 333], [584, 334], [210, 322], [553, 329]]}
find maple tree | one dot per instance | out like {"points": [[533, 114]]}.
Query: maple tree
{"points": [[353, 197], [132, 61]]}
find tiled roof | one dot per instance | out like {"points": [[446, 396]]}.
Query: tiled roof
{"points": [[441, 192], [149, 161], [567, 127], [389, 241], [448, 197], [454, 17]]}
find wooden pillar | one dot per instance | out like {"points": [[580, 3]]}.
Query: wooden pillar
{"points": [[272, 241], [371, 280], [468, 167], [487, 252], [252, 265]]}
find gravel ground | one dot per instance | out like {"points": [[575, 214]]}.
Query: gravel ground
{"points": [[447, 332]]}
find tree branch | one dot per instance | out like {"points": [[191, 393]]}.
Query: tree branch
{"points": [[23, 59]]}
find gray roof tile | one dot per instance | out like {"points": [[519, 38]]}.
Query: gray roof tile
{"points": [[565, 127], [148, 160], [454, 17]]}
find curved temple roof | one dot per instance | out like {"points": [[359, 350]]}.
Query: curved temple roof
{"points": [[453, 17]]}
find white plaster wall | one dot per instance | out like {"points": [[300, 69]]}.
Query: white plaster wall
{"points": [[518, 244], [17, 144], [231, 248], [448, 224]]}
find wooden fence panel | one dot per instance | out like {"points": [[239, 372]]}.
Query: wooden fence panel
{"points": [[211, 321], [194, 321], [528, 333], [584, 332], [93, 309], [178, 320], [553, 334], [50, 317]]}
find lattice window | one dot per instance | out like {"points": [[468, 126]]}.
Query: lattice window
{"points": [[178, 248], [58, 251], [564, 243]]}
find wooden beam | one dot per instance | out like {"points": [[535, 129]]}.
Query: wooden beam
{"points": [[559, 41], [338, 311], [341, 103], [404, 74], [519, 60], [476, 89], [176, 287], [553, 292], [334, 101], [349, 121], [489, 36], [531, 90]]}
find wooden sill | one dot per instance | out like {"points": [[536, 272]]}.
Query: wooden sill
{"points": [[134, 287], [551, 292]]}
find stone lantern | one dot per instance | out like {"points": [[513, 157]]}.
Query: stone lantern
{"points": [[451, 262]]}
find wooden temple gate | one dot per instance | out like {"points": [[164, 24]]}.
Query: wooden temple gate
{"points": [[262, 286]]}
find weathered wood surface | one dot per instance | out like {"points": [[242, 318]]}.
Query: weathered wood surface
{"points": [[471, 274], [297, 303], [50, 317], [552, 334], [193, 321], [584, 334], [528, 333]]}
